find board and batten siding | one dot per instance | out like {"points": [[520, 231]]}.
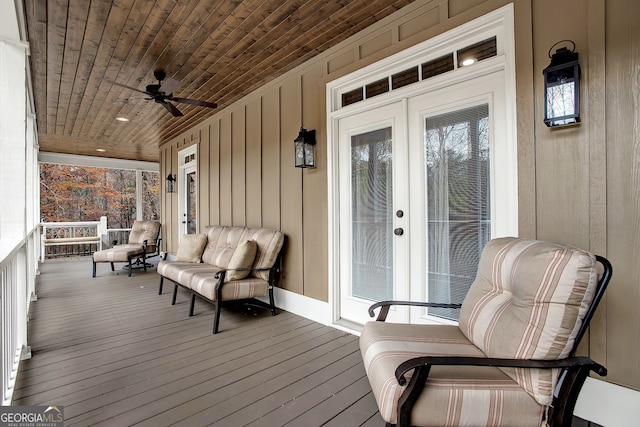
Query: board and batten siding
{"points": [[577, 185]]}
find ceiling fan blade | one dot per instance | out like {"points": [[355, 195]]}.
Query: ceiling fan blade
{"points": [[169, 85], [129, 87], [131, 101], [171, 108], [195, 102]]}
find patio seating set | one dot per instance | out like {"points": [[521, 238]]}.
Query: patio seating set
{"points": [[510, 360], [221, 264], [238, 263]]}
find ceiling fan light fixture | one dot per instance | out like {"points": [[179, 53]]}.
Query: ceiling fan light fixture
{"points": [[162, 93], [101, 150], [122, 119]]}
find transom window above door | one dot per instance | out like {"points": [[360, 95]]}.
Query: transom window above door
{"points": [[463, 57]]}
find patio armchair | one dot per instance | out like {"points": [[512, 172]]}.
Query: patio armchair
{"points": [[510, 361], [143, 243]]}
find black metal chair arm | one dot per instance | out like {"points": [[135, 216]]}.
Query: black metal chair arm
{"points": [[428, 361], [385, 305]]}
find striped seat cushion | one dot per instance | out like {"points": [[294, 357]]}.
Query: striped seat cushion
{"points": [[200, 278], [527, 302], [179, 271], [471, 396], [120, 253], [250, 287]]}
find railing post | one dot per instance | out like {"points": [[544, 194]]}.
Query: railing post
{"points": [[43, 235], [103, 232]]}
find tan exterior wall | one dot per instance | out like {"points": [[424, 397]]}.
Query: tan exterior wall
{"points": [[618, 331], [577, 185]]}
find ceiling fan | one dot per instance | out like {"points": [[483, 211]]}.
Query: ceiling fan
{"points": [[163, 93]]}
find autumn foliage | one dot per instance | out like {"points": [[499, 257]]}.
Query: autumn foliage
{"points": [[74, 193]]}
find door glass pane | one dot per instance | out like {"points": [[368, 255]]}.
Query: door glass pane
{"points": [[371, 204], [458, 215], [192, 226]]}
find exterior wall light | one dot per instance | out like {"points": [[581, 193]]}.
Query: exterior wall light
{"points": [[562, 87], [305, 149], [171, 183]]}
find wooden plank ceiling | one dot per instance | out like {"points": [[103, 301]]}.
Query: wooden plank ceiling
{"points": [[218, 50]]}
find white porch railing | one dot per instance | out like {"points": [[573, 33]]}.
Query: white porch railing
{"points": [[62, 235], [74, 238], [18, 270], [17, 289]]}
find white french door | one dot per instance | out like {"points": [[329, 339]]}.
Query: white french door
{"points": [[373, 247], [424, 183], [463, 187], [188, 191], [189, 222]]}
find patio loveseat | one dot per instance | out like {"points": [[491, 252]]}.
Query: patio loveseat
{"points": [[226, 264]]}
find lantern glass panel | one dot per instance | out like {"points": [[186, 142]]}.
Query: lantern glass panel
{"points": [[300, 154], [309, 158], [561, 102]]}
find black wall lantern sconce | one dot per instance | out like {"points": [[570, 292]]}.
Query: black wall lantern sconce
{"points": [[305, 148], [562, 87], [171, 183]]}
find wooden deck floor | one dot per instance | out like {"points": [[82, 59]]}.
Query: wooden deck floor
{"points": [[113, 352]]}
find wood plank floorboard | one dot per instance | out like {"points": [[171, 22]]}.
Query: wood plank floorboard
{"points": [[113, 352]]}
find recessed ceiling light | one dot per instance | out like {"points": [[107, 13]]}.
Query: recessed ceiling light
{"points": [[101, 150], [122, 119], [468, 62]]}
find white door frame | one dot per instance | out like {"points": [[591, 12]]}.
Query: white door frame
{"points": [[499, 24], [187, 163]]}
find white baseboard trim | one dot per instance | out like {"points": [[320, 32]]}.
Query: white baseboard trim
{"points": [[310, 308], [608, 404]]}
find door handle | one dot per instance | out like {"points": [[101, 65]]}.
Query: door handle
{"points": [[398, 231]]}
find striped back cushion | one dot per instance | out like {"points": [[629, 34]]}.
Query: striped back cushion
{"points": [[223, 240], [145, 230], [527, 302]]}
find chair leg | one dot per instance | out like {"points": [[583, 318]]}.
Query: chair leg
{"points": [[271, 302], [144, 262], [175, 294], [94, 269], [192, 305], [130, 267], [160, 288], [216, 318], [112, 267]]}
